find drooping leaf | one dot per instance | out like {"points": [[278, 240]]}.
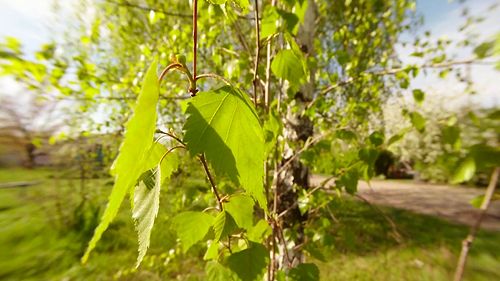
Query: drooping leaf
{"points": [[139, 132], [250, 263], [304, 272], [146, 204], [465, 171], [223, 226], [147, 200], [224, 125], [191, 227], [241, 209]]}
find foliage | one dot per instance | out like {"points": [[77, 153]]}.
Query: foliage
{"points": [[328, 68]]}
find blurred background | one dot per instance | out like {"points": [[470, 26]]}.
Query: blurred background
{"points": [[70, 70]]}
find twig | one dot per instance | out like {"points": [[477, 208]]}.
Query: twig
{"points": [[257, 51], [213, 75], [144, 8], [305, 147], [167, 69], [396, 70], [212, 182], [195, 45], [171, 135], [459, 272], [170, 150]]}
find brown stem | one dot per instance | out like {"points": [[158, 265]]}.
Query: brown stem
{"points": [[213, 75], [459, 272], [170, 150], [257, 51], [195, 44], [172, 136], [210, 178], [167, 69]]}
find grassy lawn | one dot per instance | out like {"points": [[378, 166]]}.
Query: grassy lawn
{"points": [[44, 230]]}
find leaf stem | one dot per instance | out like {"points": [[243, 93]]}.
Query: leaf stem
{"points": [[210, 178]]}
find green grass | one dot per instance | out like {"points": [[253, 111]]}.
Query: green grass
{"points": [[365, 247], [44, 230]]}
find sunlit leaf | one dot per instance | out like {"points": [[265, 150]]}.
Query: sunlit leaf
{"points": [[139, 132], [223, 124], [191, 227]]}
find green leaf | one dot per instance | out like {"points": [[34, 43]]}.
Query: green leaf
{"points": [[250, 263], [418, 96], [451, 134], [223, 225], [418, 121], [465, 171], [212, 251], [349, 180], [477, 201], [147, 199], [243, 5], [217, 272], [191, 227], [287, 65], [146, 204], [269, 22], [272, 129], [377, 138], [241, 209], [138, 139], [304, 272], [259, 232], [484, 49], [223, 124]]}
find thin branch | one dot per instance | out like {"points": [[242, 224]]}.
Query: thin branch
{"points": [[257, 51], [396, 70], [170, 150], [213, 75], [195, 45], [305, 147], [144, 8], [212, 182], [172, 136], [459, 272], [167, 69]]}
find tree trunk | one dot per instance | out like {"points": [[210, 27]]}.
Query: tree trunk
{"points": [[294, 175]]}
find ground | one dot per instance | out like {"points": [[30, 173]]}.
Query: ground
{"points": [[445, 201], [43, 232]]}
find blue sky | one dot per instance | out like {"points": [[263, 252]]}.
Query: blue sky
{"points": [[29, 20]]}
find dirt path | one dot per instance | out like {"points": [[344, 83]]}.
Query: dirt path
{"points": [[449, 202]]}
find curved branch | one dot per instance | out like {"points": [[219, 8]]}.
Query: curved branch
{"points": [[213, 75]]}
